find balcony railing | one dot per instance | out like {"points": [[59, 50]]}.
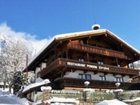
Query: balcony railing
{"points": [[98, 50], [79, 83], [74, 64]]}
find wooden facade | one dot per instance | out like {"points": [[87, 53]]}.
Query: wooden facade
{"points": [[93, 52]]}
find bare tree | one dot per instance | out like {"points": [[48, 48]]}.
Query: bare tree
{"points": [[12, 58]]}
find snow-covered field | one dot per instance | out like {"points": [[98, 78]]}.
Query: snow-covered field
{"points": [[10, 99]]}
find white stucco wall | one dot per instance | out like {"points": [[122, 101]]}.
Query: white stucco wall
{"points": [[118, 76], [79, 71], [37, 70], [95, 77], [43, 65], [109, 77], [72, 74], [126, 78]]}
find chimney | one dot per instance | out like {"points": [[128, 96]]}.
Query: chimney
{"points": [[95, 27]]}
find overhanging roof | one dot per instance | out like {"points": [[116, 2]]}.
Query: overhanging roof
{"points": [[82, 34]]}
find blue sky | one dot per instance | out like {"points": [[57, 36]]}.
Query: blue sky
{"points": [[45, 18]]}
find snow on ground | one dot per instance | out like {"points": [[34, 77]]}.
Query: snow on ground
{"points": [[10, 99], [59, 101], [132, 100], [4, 90], [111, 102], [62, 101]]}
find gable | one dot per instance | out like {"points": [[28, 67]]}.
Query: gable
{"points": [[104, 37], [100, 37]]}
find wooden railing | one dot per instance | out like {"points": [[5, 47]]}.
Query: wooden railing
{"points": [[79, 83], [98, 50], [74, 64]]}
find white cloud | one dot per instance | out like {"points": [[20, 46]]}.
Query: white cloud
{"points": [[30, 40]]}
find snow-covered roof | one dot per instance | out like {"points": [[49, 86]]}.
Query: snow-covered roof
{"points": [[67, 35], [95, 32], [79, 34], [123, 41], [34, 85]]}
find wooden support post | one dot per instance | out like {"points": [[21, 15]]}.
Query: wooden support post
{"points": [[87, 57], [67, 55], [117, 61]]}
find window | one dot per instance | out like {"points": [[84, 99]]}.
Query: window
{"points": [[85, 76], [103, 77], [81, 76], [100, 62], [81, 60], [88, 76], [119, 79]]}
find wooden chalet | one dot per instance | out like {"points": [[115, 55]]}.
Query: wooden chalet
{"points": [[97, 56]]}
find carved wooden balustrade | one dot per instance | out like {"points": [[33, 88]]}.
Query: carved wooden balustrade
{"points": [[61, 63], [97, 50]]}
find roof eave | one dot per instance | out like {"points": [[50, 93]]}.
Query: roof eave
{"points": [[62, 37], [124, 42]]}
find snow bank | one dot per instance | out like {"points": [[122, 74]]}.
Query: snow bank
{"points": [[118, 90], [89, 90], [10, 99], [111, 102], [132, 100], [64, 101]]}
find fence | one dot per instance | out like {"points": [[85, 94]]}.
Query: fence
{"points": [[81, 96], [89, 97]]}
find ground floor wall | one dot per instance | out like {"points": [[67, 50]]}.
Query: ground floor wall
{"points": [[79, 74], [73, 83]]}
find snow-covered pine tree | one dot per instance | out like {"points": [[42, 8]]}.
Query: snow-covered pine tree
{"points": [[19, 80]]}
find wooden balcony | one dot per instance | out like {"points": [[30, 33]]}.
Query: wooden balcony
{"points": [[97, 50], [79, 83], [61, 64]]}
